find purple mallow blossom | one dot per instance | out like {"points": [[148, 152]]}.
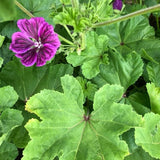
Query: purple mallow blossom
{"points": [[36, 43], [117, 4]]}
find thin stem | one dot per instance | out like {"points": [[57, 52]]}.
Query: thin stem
{"points": [[128, 16], [157, 21], [65, 40], [24, 9], [68, 31]]}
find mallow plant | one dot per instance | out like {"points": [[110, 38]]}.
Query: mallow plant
{"points": [[79, 80]]}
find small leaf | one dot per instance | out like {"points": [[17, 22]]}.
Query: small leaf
{"points": [[8, 97], [154, 95], [148, 136], [66, 132], [121, 70]]}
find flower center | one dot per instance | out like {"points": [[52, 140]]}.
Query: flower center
{"points": [[38, 44]]}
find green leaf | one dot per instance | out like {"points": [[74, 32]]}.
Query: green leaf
{"points": [[9, 120], [7, 10], [148, 136], [135, 151], [73, 91], [147, 48], [30, 80], [139, 154], [133, 35], [9, 28], [66, 132], [154, 95], [8, 97], [127, 32], [8, 151], [124, 71], [140, 102], [38, 8], [89, 88], [19, 135], [92, 56], [154, 73], [1, 40], [5, 53]]}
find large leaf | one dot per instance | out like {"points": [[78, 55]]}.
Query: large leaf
{"points": [[9, 120], [121, 70], [134, 34], [27, 81], [92, 56], [148, 136], [66, 131], [8, 97], [154, 95]]}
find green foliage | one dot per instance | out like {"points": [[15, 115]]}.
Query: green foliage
{"points": [[154, 73], [8, 97], [134, 34], [66, 131], [38, 8], [122, 70], [9, 120], [140, 102], [7, 10], [81, 17], [148, 136], [95, 53], [154, 96], [88, 87], [28, 81]]}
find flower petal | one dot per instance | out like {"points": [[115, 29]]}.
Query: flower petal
{"points": [[47, 35], [45, 54], [20, 43], [30, 27], [28, 58]]}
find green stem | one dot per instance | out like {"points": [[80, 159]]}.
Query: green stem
{"points": [[65, 40], [68, 31], [23, 9], [157, 21], [128, 16]]}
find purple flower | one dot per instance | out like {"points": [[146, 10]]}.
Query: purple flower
{"points": [[36, 43], [117, 4]]}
